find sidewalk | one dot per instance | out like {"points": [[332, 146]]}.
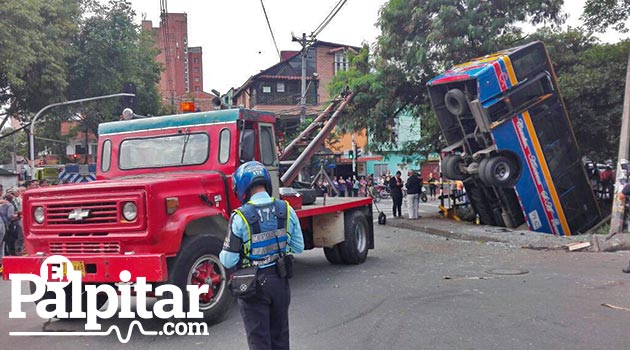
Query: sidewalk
{"points": [[437, 225]]}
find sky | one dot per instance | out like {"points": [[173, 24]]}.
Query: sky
{"points": [[237, 43]]}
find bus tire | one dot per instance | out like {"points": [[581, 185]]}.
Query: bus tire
{"points": [[354, 249], [333, 255], [450, 168], [455, 102], [196, 263], [500, 171]]}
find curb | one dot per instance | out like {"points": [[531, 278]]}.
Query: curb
{"points": [[445, 233]]}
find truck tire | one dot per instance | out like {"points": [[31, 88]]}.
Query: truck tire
{"points": [[333, 255], [450, 168], [355, 247], [197, 263], [455, 102], [101, 298]]}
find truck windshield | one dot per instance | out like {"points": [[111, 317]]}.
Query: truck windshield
{"points": [[164, 151]]}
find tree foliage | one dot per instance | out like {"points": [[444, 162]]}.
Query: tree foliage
{"points": [[601, 15], [593, 91], [36, 41], [421, 38], [111, 52]]}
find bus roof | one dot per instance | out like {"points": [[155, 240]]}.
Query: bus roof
{"points": [[183, 120], [478, 67]]}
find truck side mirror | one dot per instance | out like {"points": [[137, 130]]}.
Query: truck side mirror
{"points": [[247, 145]]}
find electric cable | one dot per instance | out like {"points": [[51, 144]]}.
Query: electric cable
{"points": [[270, 30]]}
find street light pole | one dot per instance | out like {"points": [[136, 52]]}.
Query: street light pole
{"points": [[32, 129]]}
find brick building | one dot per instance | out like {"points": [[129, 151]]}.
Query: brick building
{"points": [[182, 77]]}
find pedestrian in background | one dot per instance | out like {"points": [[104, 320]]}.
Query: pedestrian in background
{"points": [[342, 187], [414, 187], [355, 186], [363, 187], [432, 186], [349, 186], [395, 186]]}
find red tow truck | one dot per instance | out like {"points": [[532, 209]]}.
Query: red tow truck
{"points": [[162, 200]]}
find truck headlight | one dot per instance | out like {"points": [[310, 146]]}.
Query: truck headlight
{"points": [[38, 215], [130, 211]]}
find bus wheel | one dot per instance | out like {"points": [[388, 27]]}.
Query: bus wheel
{"points": [[500, 171], [333, 255], [455, 101], [450, 168], [354, 249], [197, 263]]}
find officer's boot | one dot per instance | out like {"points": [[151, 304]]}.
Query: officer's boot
{"points": [[627, 268]]}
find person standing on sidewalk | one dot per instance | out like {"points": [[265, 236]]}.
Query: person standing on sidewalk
{"points": [[414, 187], [395, 186], [432, 185]]}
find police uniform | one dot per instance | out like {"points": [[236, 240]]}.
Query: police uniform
{"points": [[259, 231]]}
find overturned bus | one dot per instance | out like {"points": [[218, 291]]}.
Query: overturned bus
{"points": [[510, 141]]}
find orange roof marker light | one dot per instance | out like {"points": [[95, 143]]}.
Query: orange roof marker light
{"points": [[187, 106]]}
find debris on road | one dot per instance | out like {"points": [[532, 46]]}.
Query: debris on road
{"points": [[616, 307], [578, 245]]}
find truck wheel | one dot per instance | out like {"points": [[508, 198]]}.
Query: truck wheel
{"points": [[101, 298], [333, 255], [455, 101], [197, 263], [355, 247]]}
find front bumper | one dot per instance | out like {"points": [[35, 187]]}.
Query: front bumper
{"points": [[98, 269]]}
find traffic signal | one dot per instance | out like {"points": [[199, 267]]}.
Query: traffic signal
{"points": [[358, 153], [351, 154]]}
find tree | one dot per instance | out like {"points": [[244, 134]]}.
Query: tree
{"points": [[113, 51], [600, 15], [593, 93], [423, 37], [35, 37]]}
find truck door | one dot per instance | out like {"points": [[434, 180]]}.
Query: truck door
{"points": [[269, 154]]}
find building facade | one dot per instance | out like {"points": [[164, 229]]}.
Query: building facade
{"points": [[182, 77]]}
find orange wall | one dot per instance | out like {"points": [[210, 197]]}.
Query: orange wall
{"points": [[345, 142]]}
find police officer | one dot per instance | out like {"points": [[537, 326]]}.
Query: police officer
{"points": [[262, 230]]}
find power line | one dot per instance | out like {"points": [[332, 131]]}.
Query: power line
{"points": [[328, 18], [270, 30]]}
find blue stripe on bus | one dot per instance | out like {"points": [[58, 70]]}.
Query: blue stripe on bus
{"points": [[506, 138]]}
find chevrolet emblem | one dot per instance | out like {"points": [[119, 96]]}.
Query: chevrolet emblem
{"points": [[79, 214]]}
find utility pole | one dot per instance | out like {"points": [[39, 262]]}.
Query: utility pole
{"points": [[354, 158], [305, 46], [618, 209]]}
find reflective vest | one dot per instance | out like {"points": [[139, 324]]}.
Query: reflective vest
{"points": [[266, 232]]}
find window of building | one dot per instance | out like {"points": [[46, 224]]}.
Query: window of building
{"points": [[196, 69], [266, 89], [197, 88], [341, 61], [280, 86], [196, 79], [195, 60]]}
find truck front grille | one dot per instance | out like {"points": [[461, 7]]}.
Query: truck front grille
{"points": [[82, 213], [84, 247]]}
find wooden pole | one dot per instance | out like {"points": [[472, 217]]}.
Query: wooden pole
{"points": [[616, 222]]}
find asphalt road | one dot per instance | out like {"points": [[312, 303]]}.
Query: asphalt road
{"points": [[415, 291]]}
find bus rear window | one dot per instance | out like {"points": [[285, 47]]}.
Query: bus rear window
{"points": [[164, 151]]}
